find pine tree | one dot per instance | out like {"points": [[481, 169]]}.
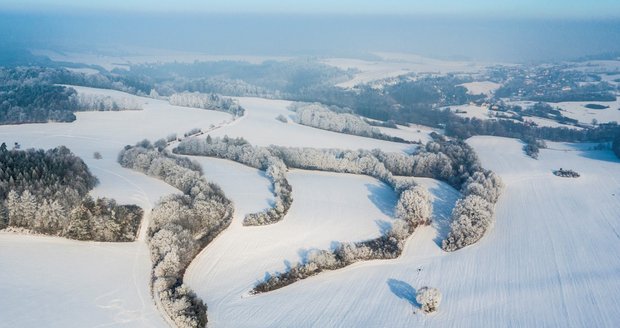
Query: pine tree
{"points": [[28, 207], [14, 208]]}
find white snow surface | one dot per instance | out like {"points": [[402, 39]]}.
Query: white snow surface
{"points": [[481, 87], [391, 65], [578, 111], [548, 261], [260, 127], [108, 133], [54, 282]]}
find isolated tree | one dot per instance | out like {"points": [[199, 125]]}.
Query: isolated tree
{"points": [[429, 299]]}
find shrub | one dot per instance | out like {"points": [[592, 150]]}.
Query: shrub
{"points": [[429, 299]]}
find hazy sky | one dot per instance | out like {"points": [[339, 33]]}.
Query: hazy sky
{"points": [[510, 8]]}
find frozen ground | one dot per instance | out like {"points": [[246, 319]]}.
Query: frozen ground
{"points": [[328, 207], [483, 87], [389, 65], [260, 127], [54, 282], [578, 111], [548, 261], [108, 133]]}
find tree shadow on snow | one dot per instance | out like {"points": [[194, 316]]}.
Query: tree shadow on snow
{"points": [[403, 290], [444, 199], [383, 197]]}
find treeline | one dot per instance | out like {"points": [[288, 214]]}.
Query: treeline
{"points": [[452, 161], [206, 101], [239, 150], [420, 102], [31, 94], [414, 208], [47, 192], [318, 116], [35, 103], [181, 226], [235, 78], [94, 102]]}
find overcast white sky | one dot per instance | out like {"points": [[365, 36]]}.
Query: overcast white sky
{"points": [[510, 8]]}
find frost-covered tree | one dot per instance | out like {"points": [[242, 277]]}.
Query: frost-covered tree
{"points": [[14, 208], [181, 225], [429, 299], [471, 218], [95, 102], [28, 208], [319, 116], [207, 101], [414, 206]]}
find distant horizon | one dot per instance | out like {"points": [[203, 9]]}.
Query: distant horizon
{"points": [[310, 34]]}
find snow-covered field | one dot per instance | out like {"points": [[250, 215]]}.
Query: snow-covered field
{"points": [[108, 133], [390, 65], [54, 282], [260, 127], [483, 87], [94, 279], [548, 261], [578, 111]]}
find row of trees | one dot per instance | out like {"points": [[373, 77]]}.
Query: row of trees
{"points": [[414, 208], [451, 161], [47, 192], [318, 116], [239, 150], [32, 94], [95, 102], [206, 101], [181, 226]]}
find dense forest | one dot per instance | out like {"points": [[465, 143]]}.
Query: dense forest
{"points": [[47, 192]]}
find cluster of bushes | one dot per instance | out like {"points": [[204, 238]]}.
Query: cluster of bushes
{"points": [[318, 116], [414, 208], [474, 213], [239, 150], [94, 102], [276, 172], [47, 192], [181, 226], [532, 147], [566, 173], [206, 101]]}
